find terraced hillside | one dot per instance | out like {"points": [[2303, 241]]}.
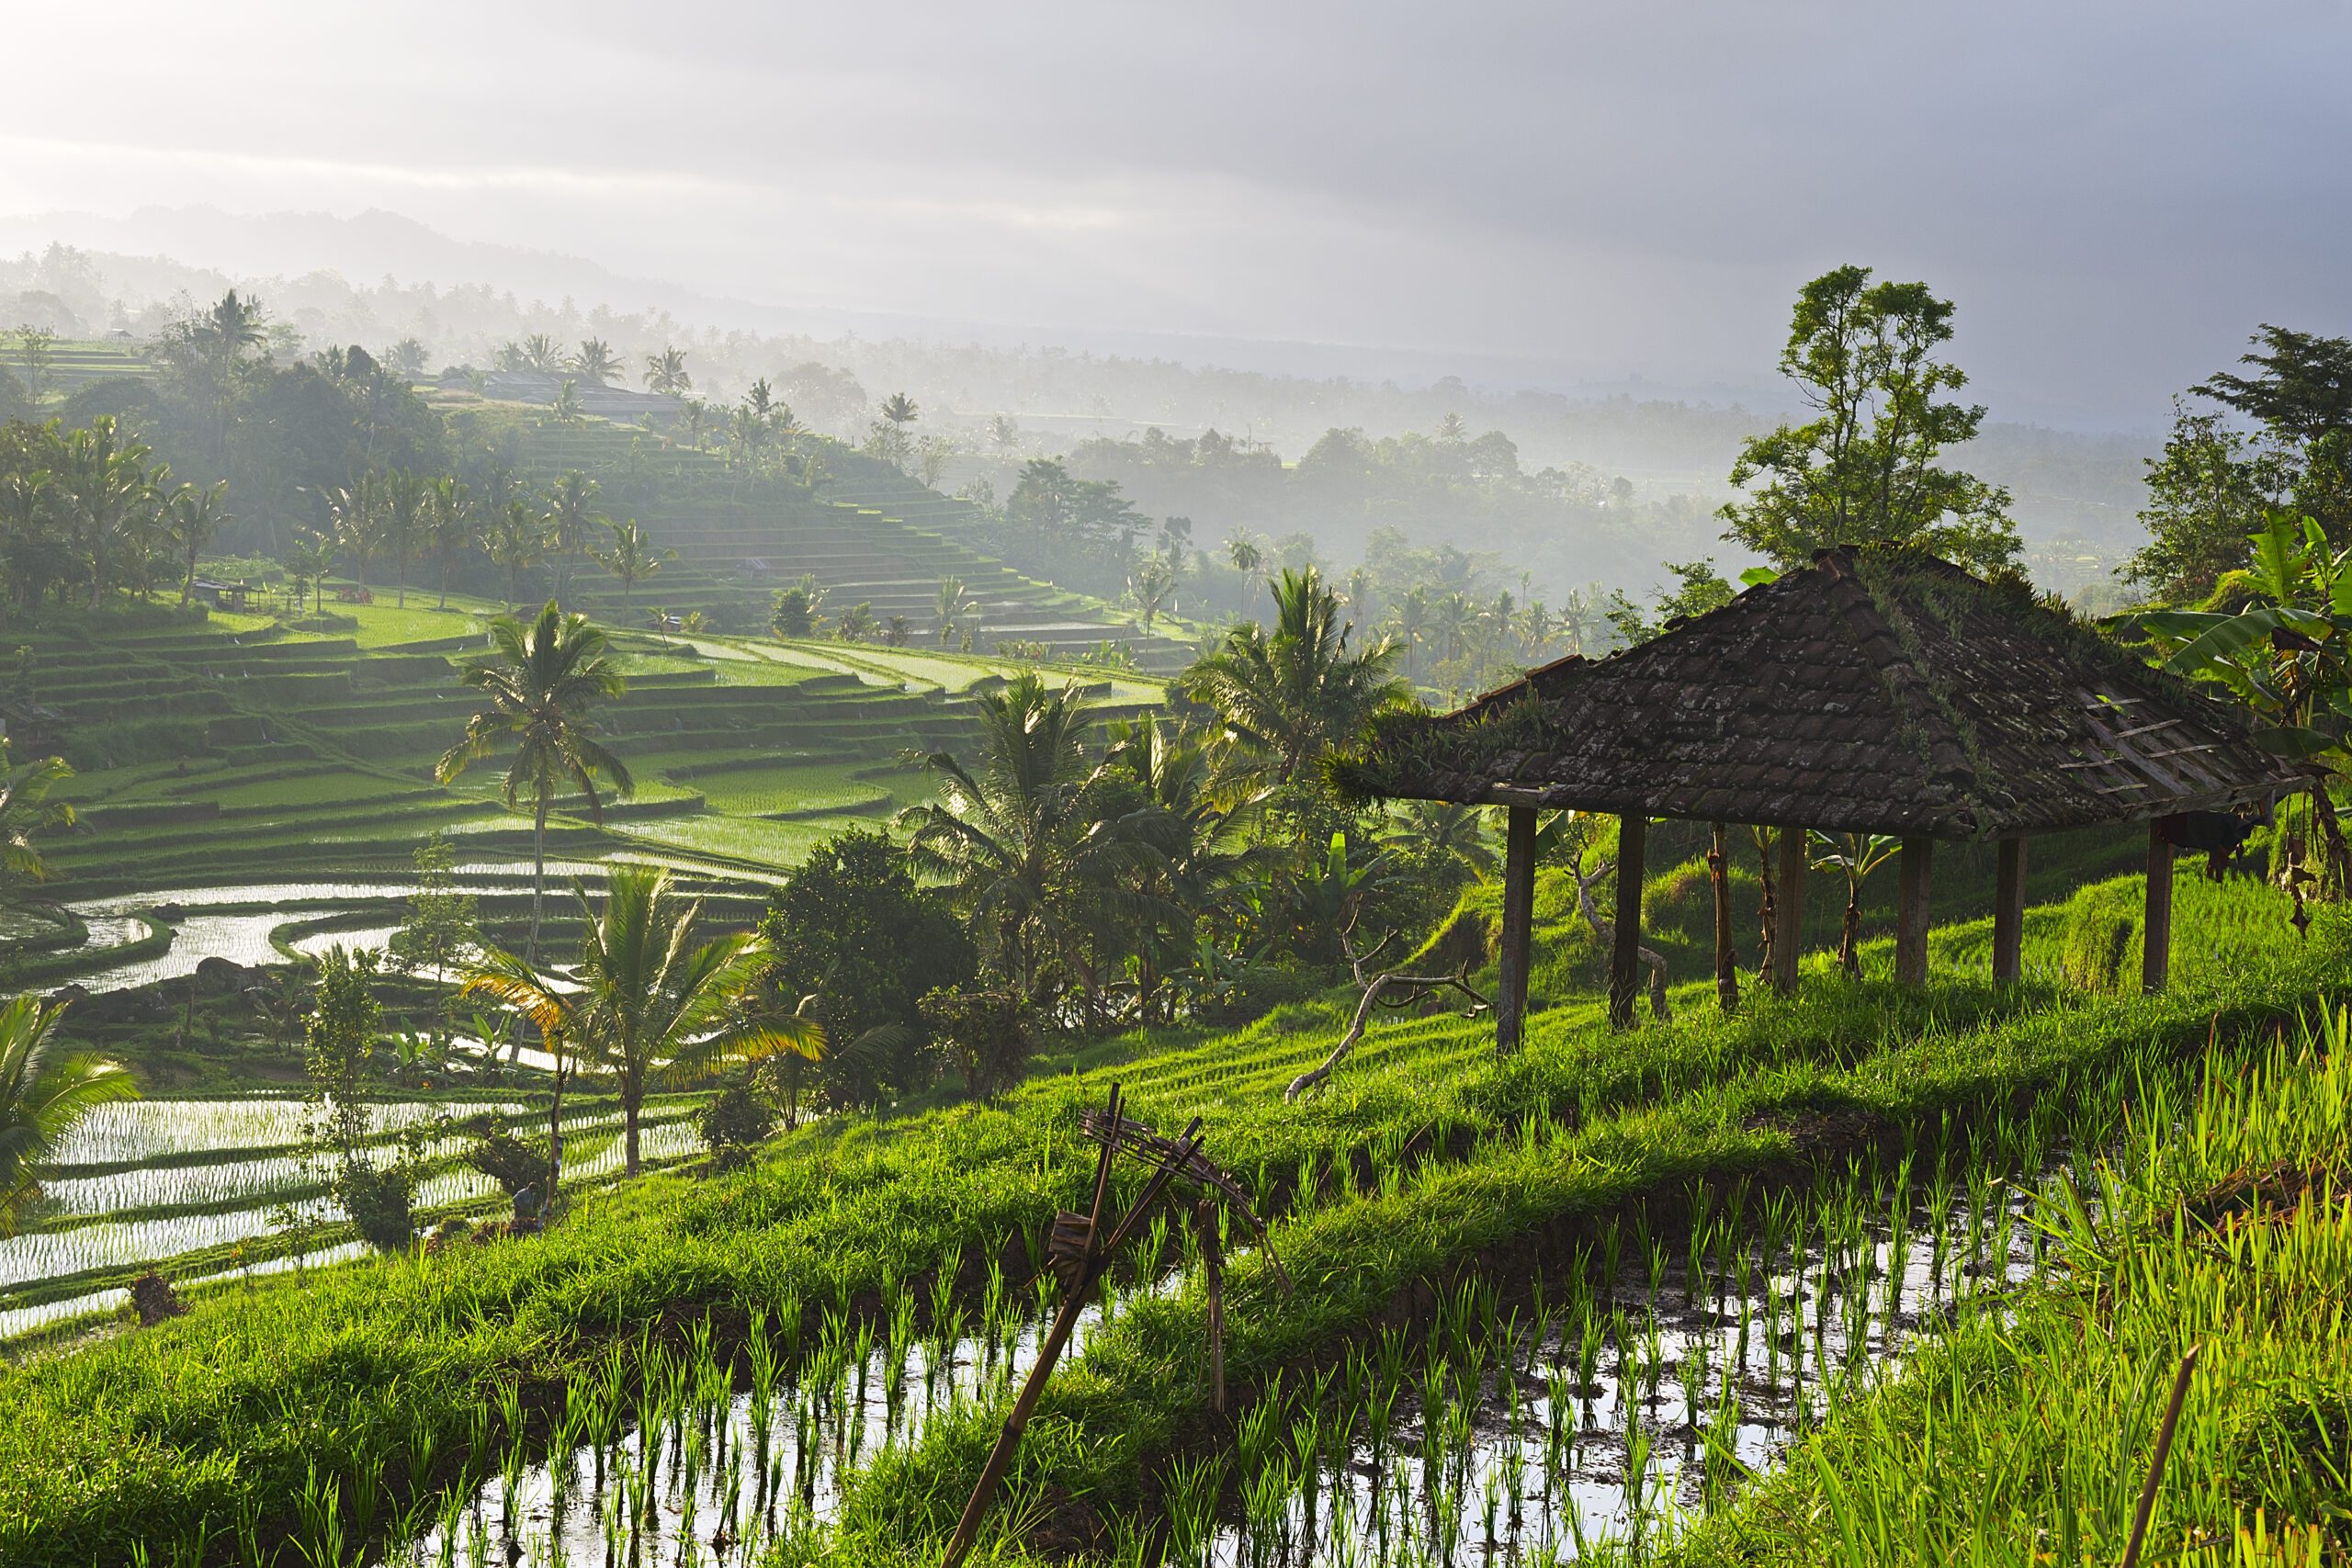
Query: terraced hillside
{"points": [[212, 752], [73, 363], [867, 534]]}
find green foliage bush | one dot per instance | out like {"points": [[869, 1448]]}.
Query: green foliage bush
{"points": [[991, 1036], [734, 1118], [513, 1163]]}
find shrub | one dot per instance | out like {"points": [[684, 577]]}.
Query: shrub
{"points": [[734, 1118], [513, 1163], [379, 1202], [988, 1034]]}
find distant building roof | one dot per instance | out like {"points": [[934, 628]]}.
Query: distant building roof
{"points": [[1877, 691], [546, 387]]}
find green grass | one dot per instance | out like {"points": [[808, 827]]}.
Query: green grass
{"points": [[231, 1406]]}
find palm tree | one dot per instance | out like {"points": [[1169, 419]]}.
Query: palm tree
{"points": [[1246, 555], [540, 353], [1443, 830], [759, 400], [27, 809], [308, 562], [1413, 623], [234, 324], [655, 1002], [694, 417], [1291, 695], [406, 495], [595, 362], [954, 604], [517, 541], [356, 518], [448, 527], [538, 692], [665, 373], [1149, 588], [567, 406], [1003, 835], [900, 409], [570, 512], [1200, 852], [193, 516], [101, 484], [633, 558], [42, 1098]]}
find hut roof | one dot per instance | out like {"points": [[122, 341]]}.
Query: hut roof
{"points": [[1878, 691]]}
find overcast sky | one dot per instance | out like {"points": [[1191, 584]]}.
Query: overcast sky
{"points": [[2114, 192]]}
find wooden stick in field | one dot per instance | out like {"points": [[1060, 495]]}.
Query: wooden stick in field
{"points": [[2157, 1460]]}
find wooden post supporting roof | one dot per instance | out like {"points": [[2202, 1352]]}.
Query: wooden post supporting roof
{"points": [[2155, 930], [1519, 917], [2009, 913], [1911, 911], [1788, 911], [1726, 958], [1626, 958]]}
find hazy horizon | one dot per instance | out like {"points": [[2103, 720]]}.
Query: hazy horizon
{"points": [[1560, 198]]}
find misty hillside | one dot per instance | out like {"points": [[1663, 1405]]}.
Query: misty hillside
{"points": [[1594, 489]]}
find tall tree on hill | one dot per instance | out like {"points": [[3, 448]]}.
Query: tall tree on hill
{"points": [[1863, 469], [448, 527], [540, 689], [407, 501], [665, 373], [654, 1001], [354, 520], [517, 541], [595, 361], [194, 516], [572, 515], [1005, 834], [102, 482], [634, 558], [43, 1096], [1290, 696]]}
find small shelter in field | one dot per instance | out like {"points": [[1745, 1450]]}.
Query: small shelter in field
{"points": [[1877, 691]]}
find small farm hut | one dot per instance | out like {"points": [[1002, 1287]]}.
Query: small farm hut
{"points": [[1876, 691]]}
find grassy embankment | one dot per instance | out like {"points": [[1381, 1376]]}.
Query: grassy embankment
{"points": [[369, 1373]]}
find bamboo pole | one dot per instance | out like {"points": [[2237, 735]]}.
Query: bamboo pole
{"points": [[2156, 934], [1625, 957], [1788, 912], [1511, 955], [1727, 957]]}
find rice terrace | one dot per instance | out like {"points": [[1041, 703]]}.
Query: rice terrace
{"points": [[737, 927]]}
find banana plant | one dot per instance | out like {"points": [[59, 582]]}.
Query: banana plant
{"points": [[1854, 856], [2287, 656]]}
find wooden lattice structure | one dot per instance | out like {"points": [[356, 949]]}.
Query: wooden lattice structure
{"points": [[1879, 691]]}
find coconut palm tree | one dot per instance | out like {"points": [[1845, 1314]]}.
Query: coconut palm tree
{"points": [[540, 353], [1290, 696], [567, 408], [448, 527], [633, 558], [192, 517], [406, 496], [538, 692], [101, 485], [355, 518], [654, 1002], [42, 1095], [571, 512], [595, 362], [1003, 835], [665, 373], [26, 811]]}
